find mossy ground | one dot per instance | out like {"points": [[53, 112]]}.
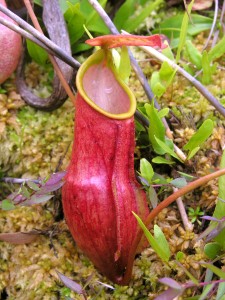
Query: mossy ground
{"points": [[33, 144]]}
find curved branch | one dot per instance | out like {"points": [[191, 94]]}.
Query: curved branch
{"points": [[213, 24]]}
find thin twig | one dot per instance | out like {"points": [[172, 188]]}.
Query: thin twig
{"points": [[137, 70], [187, 224], [216, 35], [24, 33], [48, 43], [213, 24], [19, 180]]}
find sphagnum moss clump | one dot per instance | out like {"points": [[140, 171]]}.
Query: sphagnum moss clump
{"points": [[37, 77], [31, 269], [33, 142], [45, 140]]}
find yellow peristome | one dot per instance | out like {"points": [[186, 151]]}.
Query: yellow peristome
{"points": [[103, 56]]}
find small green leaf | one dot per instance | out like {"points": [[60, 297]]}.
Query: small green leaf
{"points": [[7, 205], [214, 269], [179, 182], [75, 27], [37, 53], [125, 66], [15, 138], [168, 52], [135, 20], [37, 199], [179, 255], [81, 47], [166, 148], [156, 127], [25, 192], [184, 30], [33, 186], [139, 127], [71, 10], [206, 68], [200, 136], [163, 112], [166, 71], [189, 69], [93, 20], [116, 58], [64, 4], [146, 170], [161, 240], [75, 21], [169, 143], [162, 160], [208, 288], [219, 211], [156, 85], [123, 13], [2, 91], [212, 250], [159, 179], [220, 291], [194, 55], [38, 2], [218, 50], [187, 176], [161, 79], [153, 196], [154, 244], [192, 152]]}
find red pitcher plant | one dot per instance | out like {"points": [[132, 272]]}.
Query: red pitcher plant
{"points": [[101, 191]]}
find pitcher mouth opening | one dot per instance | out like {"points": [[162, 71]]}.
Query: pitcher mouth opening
{"points": [[100, 86]]}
